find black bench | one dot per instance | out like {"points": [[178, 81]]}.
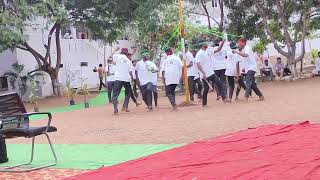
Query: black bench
{"points": [[14, 123]]}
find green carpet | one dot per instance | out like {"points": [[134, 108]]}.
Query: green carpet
{"points": [[99, 100], [83, 156]]}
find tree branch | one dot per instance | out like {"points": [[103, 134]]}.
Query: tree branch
{"points": [[207, 14], [285, 28], [304, 32], [30, 49], [48, 47], [201, 14], [269, 32]]}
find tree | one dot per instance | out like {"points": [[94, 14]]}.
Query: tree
{"points": [[18, 15], [105, 19], [284, 23], [154, 30], [203, 4]]}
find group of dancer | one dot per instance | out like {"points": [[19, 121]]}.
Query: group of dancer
{"points": [[219, 66]]}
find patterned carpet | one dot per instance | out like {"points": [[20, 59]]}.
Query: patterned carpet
{"points": [[46, 174]]}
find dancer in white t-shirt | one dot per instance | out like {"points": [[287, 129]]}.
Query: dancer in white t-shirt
{"points": [[171, 75], [233, 68], [192, 72], [110, 78], [219, 58], [204, 63], [144, 73], [122, 79], [247, 54]]}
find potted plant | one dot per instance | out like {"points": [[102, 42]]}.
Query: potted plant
{"points": [[33, 96], [70, 92], [85, 92]]}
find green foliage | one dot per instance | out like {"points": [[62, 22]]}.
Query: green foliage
{"points": [[17, 15], [245, 18], [260, 47], [18, 77]]}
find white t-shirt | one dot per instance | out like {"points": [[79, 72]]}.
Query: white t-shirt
{"points": [[154, 79], [251, 59], [110, 70], [122, 68], [220, 61], [232, 61], [205, 61], [191, 71], [145, 71], [317, 63], [133, 71], [172, 67]]}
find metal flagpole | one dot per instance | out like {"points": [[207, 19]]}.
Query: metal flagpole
{"points": [[187, 96]]}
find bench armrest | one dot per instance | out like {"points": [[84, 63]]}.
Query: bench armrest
{"points": [[20, 116]]}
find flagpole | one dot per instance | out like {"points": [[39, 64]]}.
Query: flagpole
{"points": [[187, 96]]}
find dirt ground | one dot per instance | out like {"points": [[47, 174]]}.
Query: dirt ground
{"points": [[285, 103], [58, 101]]}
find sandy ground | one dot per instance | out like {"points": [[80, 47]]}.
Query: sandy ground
{"points": [[59, 101], [285, 103]]}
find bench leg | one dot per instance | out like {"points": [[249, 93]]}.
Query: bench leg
{"points": [[31, 159], [11, 169]]}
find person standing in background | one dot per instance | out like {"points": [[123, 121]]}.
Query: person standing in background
{"points": [[101, 74]]}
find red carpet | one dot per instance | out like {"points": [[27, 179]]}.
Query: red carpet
{"points": [[266, 152]]}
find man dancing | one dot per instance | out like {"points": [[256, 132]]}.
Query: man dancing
{"points": [[247, 54], [204, 64], [144, 73], [171, 75], [122, 79]]}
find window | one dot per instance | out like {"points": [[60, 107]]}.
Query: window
{"points": [[3, 84], [215, 3]]}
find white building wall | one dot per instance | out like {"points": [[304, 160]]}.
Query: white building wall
{"points": [[74, 51], [7, 58]]}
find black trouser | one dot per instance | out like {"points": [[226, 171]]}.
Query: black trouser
{"points": [[110, 89], [170, 91], [251, 84], [223, 78], [241, 84], [133, 97], [213, 78], [116, 92], [134, 84], [146, 91], [101, 84], [191, 87], [155, 97], [155, 94], [231, 86], [198, 87]]}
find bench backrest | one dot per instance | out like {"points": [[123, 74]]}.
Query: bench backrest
{"points": [[11, 104]]}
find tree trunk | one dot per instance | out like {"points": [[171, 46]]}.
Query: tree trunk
{"points": [[58, 48], [207, 13], [221, 24]]}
